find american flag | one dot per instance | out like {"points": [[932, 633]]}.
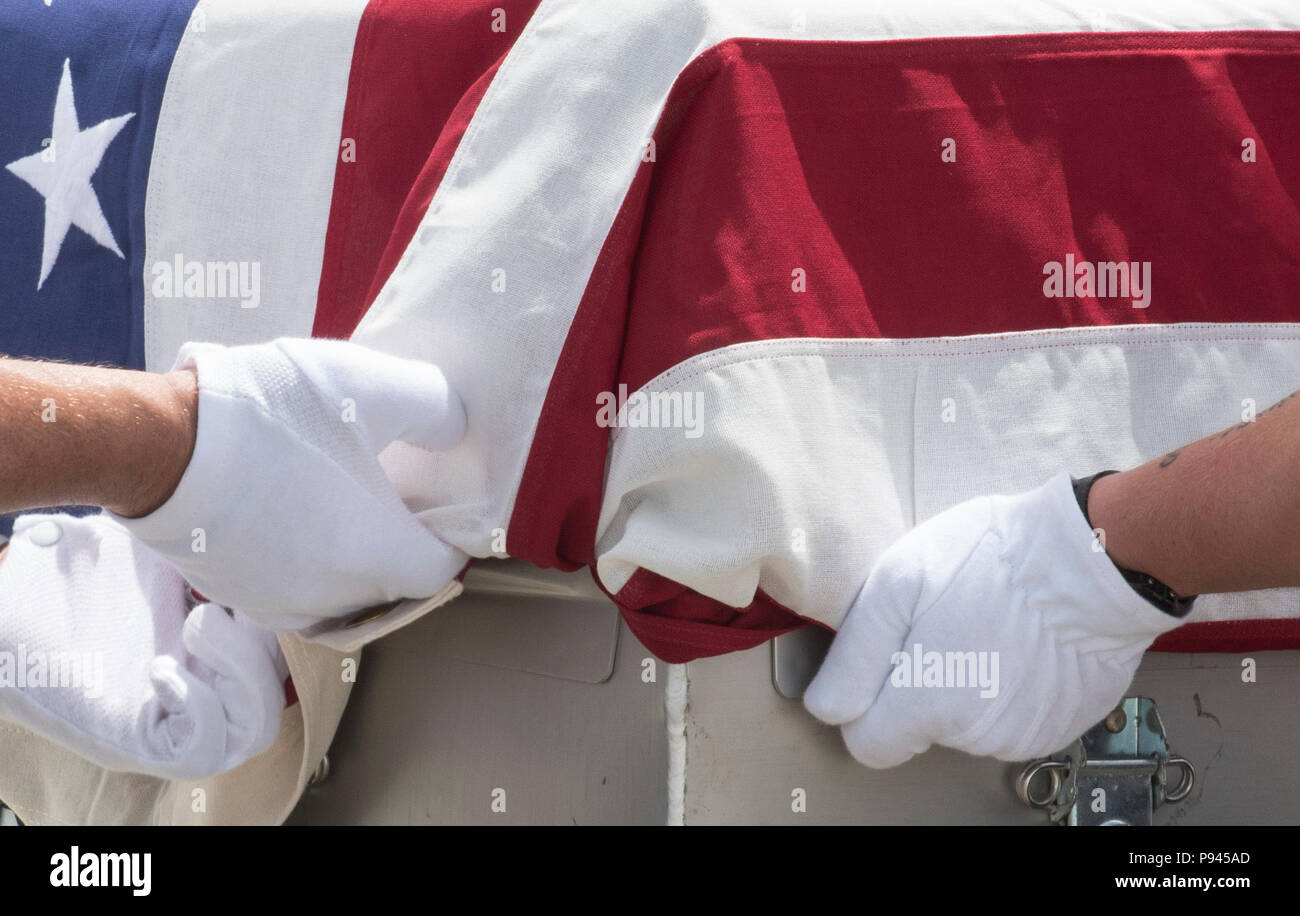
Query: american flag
{"points": [[735, 292]]}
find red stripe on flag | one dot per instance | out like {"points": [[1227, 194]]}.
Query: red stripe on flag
{"points": [[780, 156], [679, 625], [419, 69], [1258, 635]]}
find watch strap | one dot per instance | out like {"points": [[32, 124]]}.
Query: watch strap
{"points": [[1148, 586]]}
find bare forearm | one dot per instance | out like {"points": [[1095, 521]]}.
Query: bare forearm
{"points": [[74, 434], [1219, 515]]}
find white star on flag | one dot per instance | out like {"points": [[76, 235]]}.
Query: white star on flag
{"points": [[63, 178]]}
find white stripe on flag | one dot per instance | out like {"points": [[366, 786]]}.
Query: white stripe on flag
{"points": [[812, 456], [243, 166]]}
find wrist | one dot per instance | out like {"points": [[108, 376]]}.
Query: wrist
{"points": [[1104, 507], [161, 450], [1111, 508]]}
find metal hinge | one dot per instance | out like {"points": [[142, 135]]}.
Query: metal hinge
{"points": [[1117, 774]]}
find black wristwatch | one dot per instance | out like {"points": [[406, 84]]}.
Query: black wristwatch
{"points": [[1149, 587]]}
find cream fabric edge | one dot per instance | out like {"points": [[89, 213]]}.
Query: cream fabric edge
{"points": [[862, 452]]}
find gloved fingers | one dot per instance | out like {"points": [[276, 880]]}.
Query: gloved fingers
{"points": [[425, 412], [83, 587], [423, 565], [859, 660], [896, 728], [186, 734], [1078, 700], [246, 681], [392, 398]]}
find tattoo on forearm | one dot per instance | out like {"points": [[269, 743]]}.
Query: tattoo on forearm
{"points": [[1173, 456], [1236, 426]]}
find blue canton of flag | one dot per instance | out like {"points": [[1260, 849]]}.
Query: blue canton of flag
{"points": [[81, 84]]}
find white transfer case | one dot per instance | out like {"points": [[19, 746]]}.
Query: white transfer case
{"points": [[529, 694]]}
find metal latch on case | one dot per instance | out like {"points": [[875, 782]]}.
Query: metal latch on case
{"points": [[1117, 774]]}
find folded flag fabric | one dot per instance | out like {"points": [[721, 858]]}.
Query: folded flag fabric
{"points": [[735, 293]]}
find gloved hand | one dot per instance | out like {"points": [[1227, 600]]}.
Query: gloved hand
{"points": [[284, 512], [1015, 576], [97, 654]]}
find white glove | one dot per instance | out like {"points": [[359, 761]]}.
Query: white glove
{"points": [[284, 511], [1014, 577], [97, 654]]}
